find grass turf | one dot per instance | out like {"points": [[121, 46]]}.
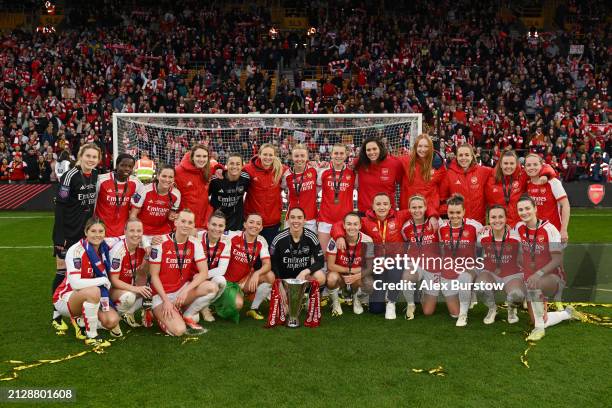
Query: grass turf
{"points": [[355, 360]]}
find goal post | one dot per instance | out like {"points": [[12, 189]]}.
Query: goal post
{"points": [[166, 137]]}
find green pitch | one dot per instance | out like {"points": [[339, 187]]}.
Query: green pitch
{"points": [[351, 361]]}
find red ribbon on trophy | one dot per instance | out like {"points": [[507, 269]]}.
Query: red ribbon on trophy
{"points": [[313, 314], [276, 314]]}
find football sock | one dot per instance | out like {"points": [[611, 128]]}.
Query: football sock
{"points": [[537, 306], [553, 318], [90, 317], [221, 283], [199, 304], [333, 295], [409, 295], [60, 274], [126, 301], [465, 295], [262, 292], [489, 298], [515, 296], [137, 305]]}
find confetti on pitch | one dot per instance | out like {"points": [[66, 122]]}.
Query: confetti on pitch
{"points": [[438, 371], [524, 360], [189, 340]]}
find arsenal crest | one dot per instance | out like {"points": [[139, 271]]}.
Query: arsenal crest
{"points": [[596, 193]]}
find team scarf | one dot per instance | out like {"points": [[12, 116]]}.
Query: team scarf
{"points": [[277, 315], [99, 266]]}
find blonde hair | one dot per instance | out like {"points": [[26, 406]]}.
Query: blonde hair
{"points": [[426, 165], [277, 166], [300, 146], [537, 156], [85, 147], [415, 198], [471, 149]]}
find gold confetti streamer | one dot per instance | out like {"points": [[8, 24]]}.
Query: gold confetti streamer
{"points": [[524, 360], [438, 371], [189, 339], [37, 363]]}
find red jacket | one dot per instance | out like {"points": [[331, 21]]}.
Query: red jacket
{"points": [[516, 186], [194, 190], [471, 184], [378, 178], [391, 227], [428, 189], [264, 195]]}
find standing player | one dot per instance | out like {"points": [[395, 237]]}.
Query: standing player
{"points": [[550, 196], [500, 250], [178, 293], [300, 182], [74, 205], [246, 250], [422, 237], [128, 273], [115, 190], [542, 263], [468, 178], [192, 178], [337, 185], [296, 251], [80, 293], [377, 172], [458, 237], [227, 193], [156, 205], [344, 267], [264, 194], [217, 249]]}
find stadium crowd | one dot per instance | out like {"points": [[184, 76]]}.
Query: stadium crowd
{"points": [[473, 74]]}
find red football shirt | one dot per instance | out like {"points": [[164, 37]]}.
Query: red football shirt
{"points": [[302, 189], [172, 274], [113, 202], [458, 242], [155, 208], [537, 245], [243, 256], [331, 180], [125, 264], [547, 197], [498, 255]]}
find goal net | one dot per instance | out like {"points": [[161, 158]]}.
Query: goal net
{"points": [[166, 137]]}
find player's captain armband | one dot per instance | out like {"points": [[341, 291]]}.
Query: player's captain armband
{"points": [[64, 192]]}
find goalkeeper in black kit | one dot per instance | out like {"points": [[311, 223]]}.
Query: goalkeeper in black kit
{"points": [[296, 251]]}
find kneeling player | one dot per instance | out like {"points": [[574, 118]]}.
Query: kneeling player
{"points": [[247, 248], [217, 249], [176, 288], [500, 251], [84, 290], [344, 266], [128, 274], [542, 262]]}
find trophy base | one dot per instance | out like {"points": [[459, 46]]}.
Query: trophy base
{"points": [[293, 323]]}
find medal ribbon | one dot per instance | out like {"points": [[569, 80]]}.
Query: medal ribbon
{"points": [[455, 245]]}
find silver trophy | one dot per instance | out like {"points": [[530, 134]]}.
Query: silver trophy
{"points": [[294, 299]]}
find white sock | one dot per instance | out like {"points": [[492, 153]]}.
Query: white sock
{"points": [[489, 298], [262, 292], [333, 294], [221, 283], [126, 301], [56, 314], [199, 304], [409, 295], [90, 317], [553, 318], [537, 306], [515, 296], [465, 295], [137, 305]]}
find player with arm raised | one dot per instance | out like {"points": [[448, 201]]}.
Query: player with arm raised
{"points": [[500, 250], [246, 249], [128, 272], [217, 249], [227, 193], [300, 182], [74, 205], [344, 267], [84, 290], [114, 193], [178, 293], [156, 205], [543, 267]]}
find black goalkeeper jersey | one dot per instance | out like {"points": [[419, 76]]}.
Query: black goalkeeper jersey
{"points": [[289, 258], [228, 196], [74, 205]]}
